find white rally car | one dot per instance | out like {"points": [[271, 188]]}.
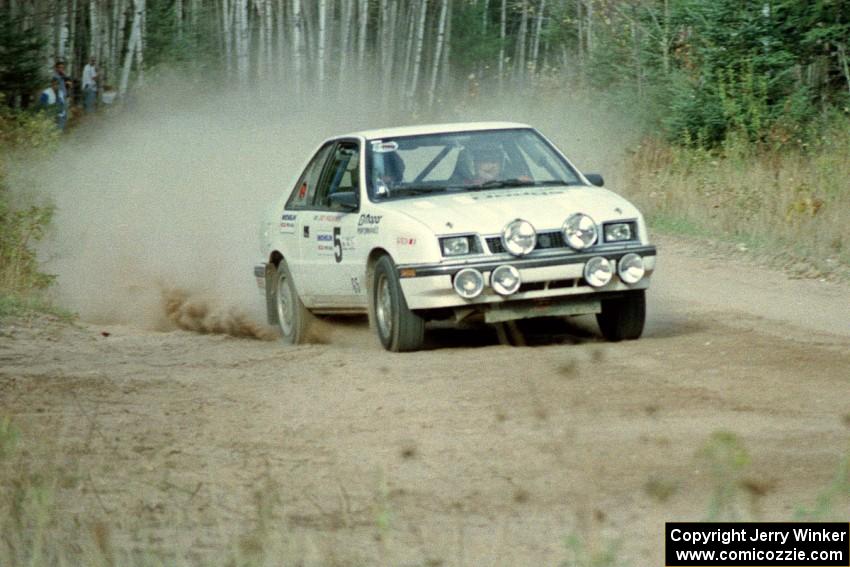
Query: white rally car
{"points": [[450, 222]]}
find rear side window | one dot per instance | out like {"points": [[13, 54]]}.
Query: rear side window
{"points": [[304, 191]]}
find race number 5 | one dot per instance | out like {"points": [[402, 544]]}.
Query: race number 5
{"points": [[337, 245]]}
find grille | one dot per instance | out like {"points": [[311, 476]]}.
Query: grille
{"points": [[545, 241]]}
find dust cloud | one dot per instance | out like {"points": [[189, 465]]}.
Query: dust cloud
{"points": [[159, 204]]}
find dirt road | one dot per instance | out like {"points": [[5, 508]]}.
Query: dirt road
{"points": [[471, 453]]}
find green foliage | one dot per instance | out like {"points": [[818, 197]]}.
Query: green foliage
{"points": [[21, 61], [581, 554], [22, 227], [726, 458], [472, 46], [192, 47], [827, 506]]}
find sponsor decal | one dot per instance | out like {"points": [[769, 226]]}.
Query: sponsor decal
{"points": [[405, 241], [368, 224], [328, 218], [325, 243], [287, 223], [532, 193], [383, 147], [355, 286]]}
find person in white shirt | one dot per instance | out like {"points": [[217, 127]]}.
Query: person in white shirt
{"points": [[90, 85], [53, 101]]}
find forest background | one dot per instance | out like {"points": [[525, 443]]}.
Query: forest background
{"points": [[740, 108]]}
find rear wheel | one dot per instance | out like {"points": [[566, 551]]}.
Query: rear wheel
{"points": [[292, 317], [623, 318], [399, 328]]}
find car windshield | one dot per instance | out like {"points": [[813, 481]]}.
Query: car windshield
{"points": [[465, 161]]}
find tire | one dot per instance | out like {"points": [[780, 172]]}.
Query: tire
{"points": [[398, 328], [293, 318], [623, 318]]}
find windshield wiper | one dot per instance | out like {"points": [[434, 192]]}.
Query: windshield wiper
{"points": [[417, 189], [501, 183]]}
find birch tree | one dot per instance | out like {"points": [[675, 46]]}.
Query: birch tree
{"points": [[438, 48], [538, 26], [133, 44], [519, 59], [363, 14], [502, 36], [420, 38], [242, 45], [320, 68]]}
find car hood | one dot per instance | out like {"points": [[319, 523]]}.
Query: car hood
{"points": [[487, 212]]}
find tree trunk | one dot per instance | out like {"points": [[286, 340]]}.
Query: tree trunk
{"points": [[132, 45], [93, 27], [503, 16], [420, 39], [227, 32], [178, 17], [268, 21], [408, 52], [296, 42], [438, 48], [140, 43], [344, 43], [243, 59], [320, 67], [72, 36], [580, 32], [447, 46], [519, 63], [535, 47], [841, 50], [363, 14]]}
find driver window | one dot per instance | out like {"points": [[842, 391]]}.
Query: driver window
{"points": [[341, 175]]}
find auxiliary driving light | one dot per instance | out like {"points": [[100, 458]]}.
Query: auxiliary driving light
{"points": [[598, 271], [505, 280], [519, 237], [631, 268], [469, 283], [579, 231]]}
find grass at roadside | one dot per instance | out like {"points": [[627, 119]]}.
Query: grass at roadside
{"points": [[30, 305], [23, 284], [789, 207], [41, 526]]}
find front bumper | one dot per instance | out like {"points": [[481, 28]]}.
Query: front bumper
{"points": [[544, 277]]}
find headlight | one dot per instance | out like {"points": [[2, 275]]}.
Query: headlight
{"points": [[619, 231], [519, 237], [505, 280], [455, 245], [598, 271], [631, 268], [580, 231], [469, 283]]}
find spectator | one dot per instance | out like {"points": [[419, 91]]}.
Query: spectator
{"points": [[59, 75], [90, 79], [53, 102]]}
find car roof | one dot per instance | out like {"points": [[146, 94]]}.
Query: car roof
{"points": [[395, 132]]}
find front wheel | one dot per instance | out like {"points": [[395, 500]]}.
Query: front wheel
{"points": [[399, 328], [292, 317], [623, 318]]}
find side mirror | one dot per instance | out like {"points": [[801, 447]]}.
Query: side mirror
{"points": [[595, 179], [344, 200]]}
